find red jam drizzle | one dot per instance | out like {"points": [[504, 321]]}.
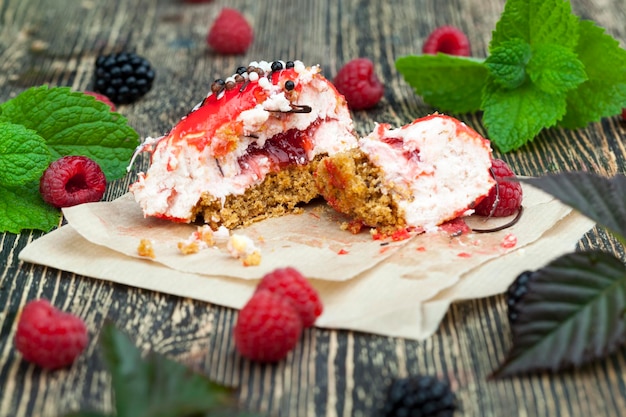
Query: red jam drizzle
{"points": [[285, 149]]}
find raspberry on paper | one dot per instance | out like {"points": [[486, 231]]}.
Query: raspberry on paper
{"points": [[267, 328], [49, 337], [230, 33], [448, 40], [505, 198], [292, 285], [359, 84], [72, 180]]}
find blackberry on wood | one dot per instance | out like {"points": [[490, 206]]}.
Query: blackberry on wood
{"points": [[420, 396], [515, 293], [123, 77]]}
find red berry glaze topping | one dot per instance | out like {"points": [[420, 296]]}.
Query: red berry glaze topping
{"points": [[292, 285], [448, 40], [230, 33], [358, 82], [72, 180], [505, 198], [49, 337], [268, 327], [102, 98]]}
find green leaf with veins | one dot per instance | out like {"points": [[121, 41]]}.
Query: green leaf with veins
{"points": [[555, 69], [448, 83], [604, 92], [23, 155], [514, 117], [537, 22], [599, 198], [155, 386], [22, 207], [571, 314], [74, 123], [507, 63]]}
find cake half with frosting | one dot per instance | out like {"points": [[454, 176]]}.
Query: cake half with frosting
{"points": [[249, 150], [417, 176]]}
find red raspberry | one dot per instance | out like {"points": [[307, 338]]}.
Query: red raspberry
{"points": [[449, 40], [49, 337], [102, 98], [509, 193], [268, 327], [291, 284], [358, 82], [230, 33], [72, 180]]}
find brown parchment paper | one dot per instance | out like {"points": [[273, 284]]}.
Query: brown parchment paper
{"points": [[400, 289]]}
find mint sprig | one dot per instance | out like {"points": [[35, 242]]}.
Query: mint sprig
{"points": [[43, 124], [545, 68], [573, 311]]}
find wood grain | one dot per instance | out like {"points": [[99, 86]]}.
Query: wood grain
{"points": [[331, 373]]}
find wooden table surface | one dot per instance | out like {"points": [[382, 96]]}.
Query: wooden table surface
{"points": [[331, 373]]}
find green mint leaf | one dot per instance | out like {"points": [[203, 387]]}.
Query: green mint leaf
{"points": [[156, 386], [514, 117], [23, 155], [507, 63], [604, 92], [448, 83], [74, 123], [554, 69], [599, 198], [22, 207], [537, 22], [570, 315]]}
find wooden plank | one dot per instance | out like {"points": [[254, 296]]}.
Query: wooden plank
{"points": [[331, 373]]}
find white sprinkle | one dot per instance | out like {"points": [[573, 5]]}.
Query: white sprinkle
{"points": [[298, 66], [253, 76], [265, 66], [265, 83], [230, 79]]}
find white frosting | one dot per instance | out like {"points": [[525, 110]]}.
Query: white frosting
{"points": [[180, 173], [435, 172]]}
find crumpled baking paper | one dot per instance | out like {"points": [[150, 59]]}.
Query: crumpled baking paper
{"points": [[392, 288]]}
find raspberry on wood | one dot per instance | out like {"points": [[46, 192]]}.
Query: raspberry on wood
{"points": [[101, 97], [292, 285], [267, 328], [359, 84], [123, 77], [72, 180], [49, 337], [230, 33], [448, 40]]}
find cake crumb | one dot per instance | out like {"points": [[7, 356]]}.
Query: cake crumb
{"points": [[146, 249], [201, 238], [242, 247]]}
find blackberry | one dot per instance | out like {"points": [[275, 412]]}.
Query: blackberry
{"points": [[123, 77], [419, 396], [515, 292]]}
